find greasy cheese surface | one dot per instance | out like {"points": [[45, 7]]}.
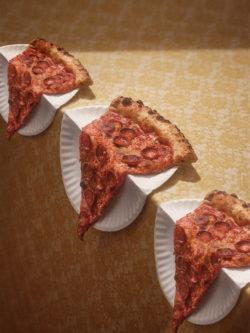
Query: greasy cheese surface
{"points": [[187, 59]]}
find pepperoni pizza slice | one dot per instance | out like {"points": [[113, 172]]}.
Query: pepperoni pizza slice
{"points": [[215, 235], [99, 178], [116, 145], [43, 68]]}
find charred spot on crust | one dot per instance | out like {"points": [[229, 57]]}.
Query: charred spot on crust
{"points": [[115, 103], [140, 102], [161, 118], [177, 128], [60, 48], [127, 101], [10, 101], [245, 205], [150, 111], [67, 54], [38, 39], [210, 196], [221, 192], [234, 195]]}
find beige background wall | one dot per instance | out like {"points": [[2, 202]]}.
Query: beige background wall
{"points": [[187, 59]]}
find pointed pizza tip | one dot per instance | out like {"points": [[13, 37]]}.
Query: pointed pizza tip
{"points": [[175, 325], [8, 135], [81, 232]]}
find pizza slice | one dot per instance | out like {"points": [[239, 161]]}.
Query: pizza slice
{"points": [[125, 146], [43, 68], [215, 235], [99, 178]]}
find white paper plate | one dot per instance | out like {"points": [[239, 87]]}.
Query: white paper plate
{"points": [[224, 292], [43, 114], [130, 198]]}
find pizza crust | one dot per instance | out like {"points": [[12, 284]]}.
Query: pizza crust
{"points": [[150, 120], [230, 204], [58, 54]]}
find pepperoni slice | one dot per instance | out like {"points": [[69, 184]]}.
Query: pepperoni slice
{"points": [[101, 153], [11, 73], [201, 219], [121, 141], [131, 160], [107, 126], [59, 78], [53, 80], [205, 236], [128, 133], [243, 246], [38, 70], [150, 153], [88, 172], [86, 143], [30, 98], [226, 253], [49, 81], [111, 180], [183, 290], [182, 264], [180, 235], [27, 78], [222, 226], [27, 59], [43, 64], [89, 197]]}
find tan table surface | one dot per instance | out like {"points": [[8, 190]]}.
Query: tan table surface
{"points": [[187, 59]]}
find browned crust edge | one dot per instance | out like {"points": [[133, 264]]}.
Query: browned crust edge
{"points": [[230, 204], [151, 120], [58, 54]]}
